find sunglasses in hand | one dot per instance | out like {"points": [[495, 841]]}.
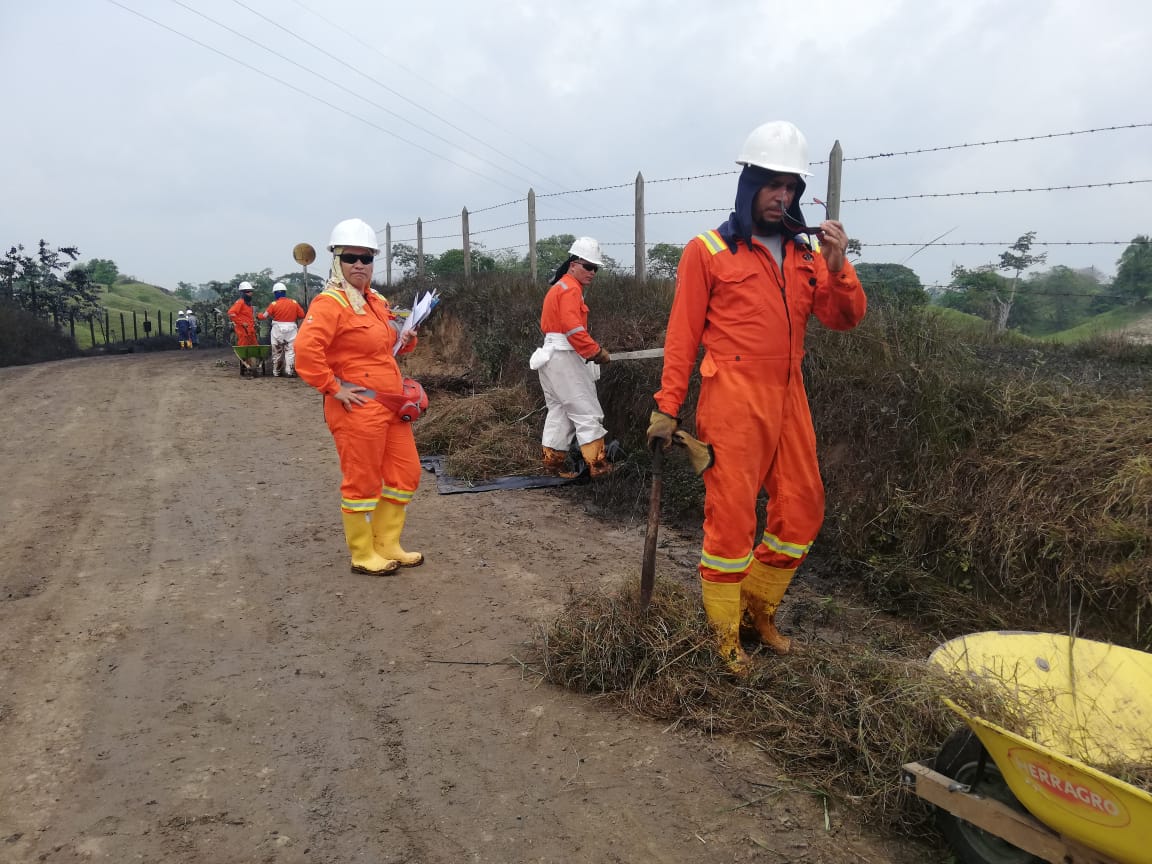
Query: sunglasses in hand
{"points": [[798, 227], [352, 258]]}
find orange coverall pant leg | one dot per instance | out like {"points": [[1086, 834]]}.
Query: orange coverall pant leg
{"points": [[377, 454], [245, 334], [795, 508], [761, 433]]}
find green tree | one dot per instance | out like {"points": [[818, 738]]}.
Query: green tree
{"points": [[892, 284], [1014, 260], [35, 282], [993, 298], [663, 259], [551, 252], [1134, 270], [185, 291], [102, 270], [1061, 298], [451, 262], [405, 259], [972, 291]]}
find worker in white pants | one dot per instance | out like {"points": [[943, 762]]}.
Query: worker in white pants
{"points": [[284, 312], [568, 365]]}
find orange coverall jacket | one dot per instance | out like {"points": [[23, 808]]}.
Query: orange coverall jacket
{"points": [[751, 316], [564, 312], [243, 321], [377, 451], [285, 310]]}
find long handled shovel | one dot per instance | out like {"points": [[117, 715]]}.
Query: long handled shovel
{"points": [[648, 568]]}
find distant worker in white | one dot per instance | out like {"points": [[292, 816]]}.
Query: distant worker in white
{"points": [[567, 365], [284, 312], [193, 327]]}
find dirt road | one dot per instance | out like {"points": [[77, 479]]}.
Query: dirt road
{"points": [[191, 674]]}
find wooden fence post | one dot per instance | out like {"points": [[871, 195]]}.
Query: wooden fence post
{"points": [[467, 244], [123, 335], [72, 325], [171, 329], [387, 253], [92, 329], [835, 166], [420, 248], [135, 332], [641, 251], [532, 233], [107, 325]]}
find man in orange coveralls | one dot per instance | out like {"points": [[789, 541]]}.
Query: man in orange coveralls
{"points": [[344, 350], [745, 291], [243, 319], [284, 312], [566, 367]]}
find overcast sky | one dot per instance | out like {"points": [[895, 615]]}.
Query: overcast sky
{"points": [[128, 140]]}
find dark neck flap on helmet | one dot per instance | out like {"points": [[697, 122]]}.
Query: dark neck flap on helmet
{"points": [[740, 224]]}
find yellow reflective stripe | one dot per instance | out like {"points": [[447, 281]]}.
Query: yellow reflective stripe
{"points": [[725, 565], [712, 240], [338, 296], [397, 496], [792, 550], [358, 505]]}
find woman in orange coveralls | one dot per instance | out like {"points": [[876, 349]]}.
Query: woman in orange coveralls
{"points": [[344, 350], [745, 291]]}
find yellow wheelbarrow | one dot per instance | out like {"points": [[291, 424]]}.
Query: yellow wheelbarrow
{"points": [[1008, 798], [253, 359]]}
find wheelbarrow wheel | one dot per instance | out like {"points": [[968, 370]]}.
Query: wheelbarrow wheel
{"points": [[959, 759]]}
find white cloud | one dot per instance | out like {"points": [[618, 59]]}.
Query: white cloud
{"points": [[138, 145]]}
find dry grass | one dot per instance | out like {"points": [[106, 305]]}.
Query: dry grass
{"points": [[838, 719], [490, 435]]}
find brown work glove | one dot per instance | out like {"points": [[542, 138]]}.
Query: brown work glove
{"points": [[661, 428], [699, 454], [602, 357]]}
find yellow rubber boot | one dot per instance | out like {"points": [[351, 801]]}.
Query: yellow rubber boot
{"points": [[763, 589], [554, 462], [722, 606], [387, 523], [593, 453], [358, 534]]}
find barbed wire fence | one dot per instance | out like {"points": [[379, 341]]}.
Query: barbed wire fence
{"points": [[466, 236]]}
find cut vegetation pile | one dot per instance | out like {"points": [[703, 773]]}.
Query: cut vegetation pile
{"points": [[839, 721]]}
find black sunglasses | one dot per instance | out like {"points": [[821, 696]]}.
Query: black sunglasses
{"points": [[590, 267], [352, 258]]}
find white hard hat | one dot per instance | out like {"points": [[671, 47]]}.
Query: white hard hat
{"points": [[777, 146], [587, 249], [353, 232], [279, 286], [189, 312], [244, 286]]}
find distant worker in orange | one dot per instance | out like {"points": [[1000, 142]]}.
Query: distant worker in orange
{"points": [[284, 312], [344, 350], [566, 363], [242, 316], [244, 320], [745, 292]]}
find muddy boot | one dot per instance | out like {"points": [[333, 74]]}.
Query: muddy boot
{"points": [[555, 462], [365, 558], [763, 589], [722, 606], [597, 459], [387, 523]]}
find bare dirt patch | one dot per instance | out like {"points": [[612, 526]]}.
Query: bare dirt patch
{"points": [[192, 675]]}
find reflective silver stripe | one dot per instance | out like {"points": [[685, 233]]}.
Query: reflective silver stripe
{"points": [[575, 330]]}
